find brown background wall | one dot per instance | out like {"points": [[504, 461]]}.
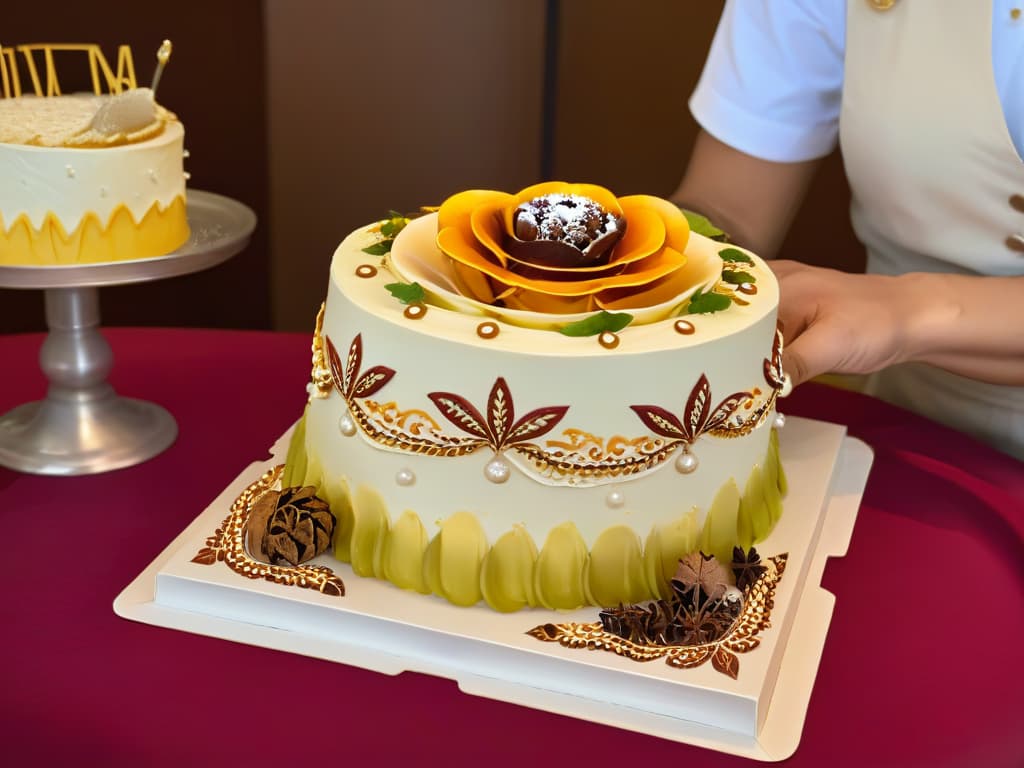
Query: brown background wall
{"points": [[378, 106], [324, 114]]}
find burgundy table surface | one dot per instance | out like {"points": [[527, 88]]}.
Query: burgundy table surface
{"points": [[923, 665]]}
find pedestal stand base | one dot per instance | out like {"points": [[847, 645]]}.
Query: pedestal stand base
{"points": [[59, 437], [83, 427]]}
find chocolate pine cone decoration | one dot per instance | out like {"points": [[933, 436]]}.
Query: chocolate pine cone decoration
{"points": [[289, 526]]}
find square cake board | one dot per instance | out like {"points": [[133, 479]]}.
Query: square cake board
{"points": [[380, 627]]}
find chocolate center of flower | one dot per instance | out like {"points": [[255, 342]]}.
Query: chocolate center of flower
{"points": [[560, 230]]}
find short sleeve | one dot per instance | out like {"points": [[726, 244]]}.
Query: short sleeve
{"points": [[772, 83]]}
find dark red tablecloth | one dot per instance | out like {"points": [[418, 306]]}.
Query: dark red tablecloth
{"points": [[923, 666]]}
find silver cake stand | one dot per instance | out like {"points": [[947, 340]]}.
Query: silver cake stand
{"points": [[83, 426]]}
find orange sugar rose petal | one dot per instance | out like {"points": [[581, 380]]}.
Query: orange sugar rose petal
{"points": [[472, 284], [677, 228], [485, 223], [457, 209], [645, 234], [460, 247], [649, 294], [531, 301], [662, 263]]}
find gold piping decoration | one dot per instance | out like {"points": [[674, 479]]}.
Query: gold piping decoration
{"points": [[321, 375], [742, 637], [227, 545], [580, 457]]}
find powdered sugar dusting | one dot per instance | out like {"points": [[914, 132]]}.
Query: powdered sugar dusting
{"points": [[572, 219]]}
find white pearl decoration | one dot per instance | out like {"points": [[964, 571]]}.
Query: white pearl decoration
{"points": [[346, 425], [780, 421], [405, 477], [615, 499], [497, 471], [686, 463]]}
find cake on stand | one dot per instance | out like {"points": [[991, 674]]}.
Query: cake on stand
{"points": [[83, 426]]}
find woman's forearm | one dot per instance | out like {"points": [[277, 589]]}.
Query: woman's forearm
{"points": [[972, 326], [836, 322]]}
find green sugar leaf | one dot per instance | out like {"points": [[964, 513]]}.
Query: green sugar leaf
{"points": [[706, 303], [737, 277], [598, 323], [393, 226], [703, 226], [735, 254], [379, 249], [407, 293]]}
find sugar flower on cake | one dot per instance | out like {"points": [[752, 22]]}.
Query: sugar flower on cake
{"points": [[564, 250]]}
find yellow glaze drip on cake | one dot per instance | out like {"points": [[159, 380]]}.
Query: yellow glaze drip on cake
{"points": [[402, 554], [721, 526], [459, 564], [160, 231], [63, 203], [616, 570], [506, 579], [560, 574]]}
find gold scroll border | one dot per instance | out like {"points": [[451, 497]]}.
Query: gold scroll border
{"points": [[742, 637]]}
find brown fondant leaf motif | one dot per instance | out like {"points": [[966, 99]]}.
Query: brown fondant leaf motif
{"points": [[773, 372], [349, 381], [660, 421], [500, 430], [699, 417], [726, 662], [205, 556]]}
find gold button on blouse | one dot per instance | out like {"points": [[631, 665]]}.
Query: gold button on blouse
{"points": [[881, 5], [1015, 243], [1017, 202]]}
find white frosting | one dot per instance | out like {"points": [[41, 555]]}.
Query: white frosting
{"points": [[72, 183], [441, 351]]}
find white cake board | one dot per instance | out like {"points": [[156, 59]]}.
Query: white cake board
{"points": [[379, 627]]}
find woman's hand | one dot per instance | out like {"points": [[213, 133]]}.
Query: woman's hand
{"points": [[836, 322]]}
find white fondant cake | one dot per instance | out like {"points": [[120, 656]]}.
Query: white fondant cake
{"points": [[477, 452], [89, 179]]}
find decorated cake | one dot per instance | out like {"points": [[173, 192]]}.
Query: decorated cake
{"points": [[87, 178], [547, 398]]}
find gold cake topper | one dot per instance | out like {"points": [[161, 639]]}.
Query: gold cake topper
{"points": [[104, 77]]}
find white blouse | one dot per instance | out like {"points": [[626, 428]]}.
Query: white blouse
{"points": [[772, 84]]}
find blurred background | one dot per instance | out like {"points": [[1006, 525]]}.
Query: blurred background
{"points": [[322, 115]]}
